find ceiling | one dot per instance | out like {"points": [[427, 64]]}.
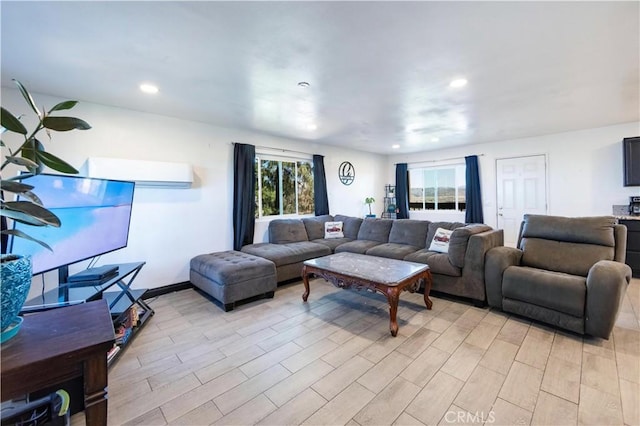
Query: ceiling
{"points": [[379, 72]]}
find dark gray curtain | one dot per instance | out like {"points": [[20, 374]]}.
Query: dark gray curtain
{"points": [[402, 190], [474, 197], [4, 237], [244, 194], [320, 197]]}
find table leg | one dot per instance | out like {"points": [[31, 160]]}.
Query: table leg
{"points": [[305, 280], [95, 390], [427, 289], [393, 296]]}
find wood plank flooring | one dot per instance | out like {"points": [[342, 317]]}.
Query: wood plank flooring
{"points": [[333, 361]]}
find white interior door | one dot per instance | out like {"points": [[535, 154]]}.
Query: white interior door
{"points": [[521, 188]]}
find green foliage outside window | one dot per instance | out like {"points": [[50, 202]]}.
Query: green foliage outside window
{"points": [[305, 188], [283, 187]]}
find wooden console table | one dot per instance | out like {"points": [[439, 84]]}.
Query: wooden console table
{"points": [[55, 346]]}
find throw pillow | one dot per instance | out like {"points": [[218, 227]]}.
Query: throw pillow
{"points": [[440, 241], [333, 230]]}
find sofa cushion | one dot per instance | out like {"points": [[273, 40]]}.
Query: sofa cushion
{"points": [[560, 256], [410, 232], [374, 229], [433, 227], [332, 243], [350, 225], [285, 254], [283, 231], [315, 226], [392, 250], [596, 230], [438, 262], [460, 240], [558, 291], [357, 246], [564, 244]]}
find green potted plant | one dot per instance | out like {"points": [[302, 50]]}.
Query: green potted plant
{"points": [[368, 201], [31, 156]]}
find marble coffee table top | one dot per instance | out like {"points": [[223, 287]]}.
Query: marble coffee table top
{"points": [[372, 268]]}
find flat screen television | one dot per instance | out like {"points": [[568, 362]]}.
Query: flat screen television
{"points": [[631, 156], [95, 216]]}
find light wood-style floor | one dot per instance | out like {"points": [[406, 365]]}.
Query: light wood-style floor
{"points": [[332, 361]]}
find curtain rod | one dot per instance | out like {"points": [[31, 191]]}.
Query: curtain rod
{"points": [[441, 159], [277, 149]]}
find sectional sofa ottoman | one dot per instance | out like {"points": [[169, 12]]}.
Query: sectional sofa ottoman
{"points": [[231, 276]]}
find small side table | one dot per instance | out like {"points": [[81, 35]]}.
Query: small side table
{"points": [[55, 346]]}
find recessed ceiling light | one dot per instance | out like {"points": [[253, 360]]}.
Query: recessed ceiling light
{"points": [[149, 88], [396, 146], [459, 82], [311, 126], [435, 139], [303, 84]]}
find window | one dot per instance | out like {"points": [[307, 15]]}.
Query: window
{"points": [[437, 188], [283, 186]]}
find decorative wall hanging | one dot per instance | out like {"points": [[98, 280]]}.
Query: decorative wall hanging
{"points": [[346, 173]]}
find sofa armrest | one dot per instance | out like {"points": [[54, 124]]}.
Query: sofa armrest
{"points": [[498, 259], [474, 259], [606, 284]]}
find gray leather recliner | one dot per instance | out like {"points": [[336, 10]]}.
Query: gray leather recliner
{"points": [[568, 272]]}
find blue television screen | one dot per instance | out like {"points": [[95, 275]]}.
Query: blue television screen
{"points": [[95, 216]]}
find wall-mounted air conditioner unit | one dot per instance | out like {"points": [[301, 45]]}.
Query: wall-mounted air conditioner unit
{"points": [[157, 174]]}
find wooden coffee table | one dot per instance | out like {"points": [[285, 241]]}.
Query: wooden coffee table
{"points": [[387, 276]]}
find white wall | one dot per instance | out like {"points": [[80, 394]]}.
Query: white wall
{"points": [[584, 170], [170, 226]]}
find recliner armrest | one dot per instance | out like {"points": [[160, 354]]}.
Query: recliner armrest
{"points": [[497, 260], [606, 284], [473, 267]]}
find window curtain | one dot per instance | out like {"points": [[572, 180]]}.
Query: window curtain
{"points": [[244, 194], [320, 197], [402, 190], [473, 212]]}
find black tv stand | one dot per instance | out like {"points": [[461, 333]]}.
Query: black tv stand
{"points": [[121, 298]]}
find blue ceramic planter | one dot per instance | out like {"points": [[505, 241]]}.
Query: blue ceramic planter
{"points": [[14, 285]]}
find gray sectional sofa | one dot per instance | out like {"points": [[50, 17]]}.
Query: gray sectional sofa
{"points": [[459, 272]]}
